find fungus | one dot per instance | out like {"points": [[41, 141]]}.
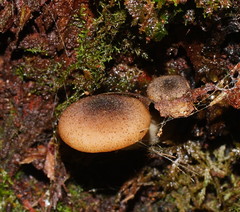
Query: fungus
{"points": [[104, 123], [171, 96]]}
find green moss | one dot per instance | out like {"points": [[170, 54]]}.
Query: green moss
{"points": [[200, 179], [152, 16], [96, 47], [8, 199], [209, 6], [51, 77], [76, 197], [235, 207], [1, 137], [8, 133], [96, 44], [37, 50]]}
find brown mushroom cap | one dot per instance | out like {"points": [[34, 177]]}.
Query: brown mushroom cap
{"points": [[171, 96], [167, 87], [104, 123]]}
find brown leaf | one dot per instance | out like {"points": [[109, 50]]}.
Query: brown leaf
{"points": [[34, 154], [49, 166]]}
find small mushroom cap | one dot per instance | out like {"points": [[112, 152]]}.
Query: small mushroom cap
{"points": [[104, 123], [167, 87]]}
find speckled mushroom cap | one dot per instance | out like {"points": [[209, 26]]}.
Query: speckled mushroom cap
{"points": [[104, 123], [167, 87]]}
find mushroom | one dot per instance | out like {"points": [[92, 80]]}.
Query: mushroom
{"points": [[104, 123], [171, 96]]}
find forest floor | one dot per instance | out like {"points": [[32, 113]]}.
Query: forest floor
{"points": [[52, 53]]}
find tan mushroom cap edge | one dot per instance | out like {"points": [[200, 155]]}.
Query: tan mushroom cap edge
{"points": [[104, 123]]}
